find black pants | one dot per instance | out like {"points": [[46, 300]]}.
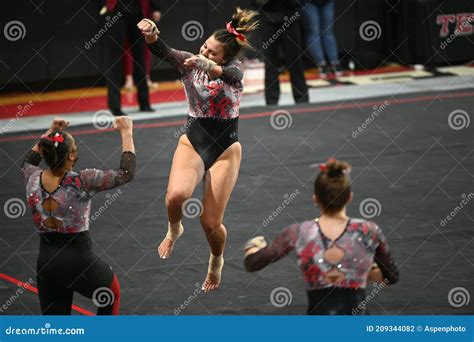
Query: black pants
{"points": [[124, 27], [337, 301], [66, 265], [289, 40]]}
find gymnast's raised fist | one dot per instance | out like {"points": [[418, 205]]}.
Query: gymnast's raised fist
{"points": [[58, 124], [123, 124], [148, 28]]}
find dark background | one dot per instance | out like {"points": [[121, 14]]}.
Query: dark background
{"points": [[53, 51]]}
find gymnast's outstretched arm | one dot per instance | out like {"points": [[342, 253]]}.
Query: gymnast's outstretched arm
{"points": [[258, 254], [159, 48]]}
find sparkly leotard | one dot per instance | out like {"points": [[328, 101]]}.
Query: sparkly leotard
{"points": [[66, 262], [73, 196], [213, 103], [361, 243]]}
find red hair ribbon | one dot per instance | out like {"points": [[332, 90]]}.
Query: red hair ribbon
{"points": [[57, 138], [323, 166], [232, 30]]}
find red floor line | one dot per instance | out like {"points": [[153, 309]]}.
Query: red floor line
{"points": [[33, 289], [266, 113]]}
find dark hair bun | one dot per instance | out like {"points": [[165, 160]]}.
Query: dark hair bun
{"points": [[336, 168], [333, 186]]}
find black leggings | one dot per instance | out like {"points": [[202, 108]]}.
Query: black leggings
{"points": [[337, 301], [66, 265]]}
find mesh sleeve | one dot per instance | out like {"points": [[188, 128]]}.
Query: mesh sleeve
{"points": [[384, 260], [233, 72], [174, 57], [94, 180], [283, 244], [30, 165]]}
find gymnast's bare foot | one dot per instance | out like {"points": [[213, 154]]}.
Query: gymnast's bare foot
{"points": [[165, 248], [175, 231], [213, 278]]}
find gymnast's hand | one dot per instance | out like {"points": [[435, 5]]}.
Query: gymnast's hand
{"points": [[58, 124], [149, 30], [200, 62], [123, 124], [375, 274], [254, 245]]}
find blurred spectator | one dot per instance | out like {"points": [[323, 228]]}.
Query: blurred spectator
{"points": [[280, 22], [125, 15], [318, 18], [128, 61]]}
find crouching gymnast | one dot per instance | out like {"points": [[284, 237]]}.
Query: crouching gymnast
{"points": [[60, 200]]}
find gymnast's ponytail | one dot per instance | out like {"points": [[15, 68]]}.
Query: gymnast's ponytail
{"points": [[235, 35]]}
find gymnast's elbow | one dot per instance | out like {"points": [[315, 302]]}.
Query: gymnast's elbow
{"points": [[127, 175], [392, 277]]}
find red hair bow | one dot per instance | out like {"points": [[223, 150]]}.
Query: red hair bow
{"points": [[323, 166], [57, 138], [232, 30]]}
